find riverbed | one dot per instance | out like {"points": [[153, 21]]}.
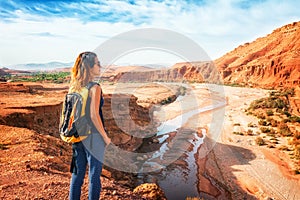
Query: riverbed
{"points": [[174, 164]]}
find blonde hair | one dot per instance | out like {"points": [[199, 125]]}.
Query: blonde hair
{"points": [[81, 71]]}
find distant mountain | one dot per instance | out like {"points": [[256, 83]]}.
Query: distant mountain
{"points": [[270, 61], [41, 66], [3, 72]]}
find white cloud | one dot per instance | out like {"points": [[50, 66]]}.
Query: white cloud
{"points": [[217, 26]]}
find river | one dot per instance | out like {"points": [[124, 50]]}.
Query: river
{"points": [[178, 172]]}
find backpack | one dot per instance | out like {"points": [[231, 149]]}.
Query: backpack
{"points": [[75, 124]]}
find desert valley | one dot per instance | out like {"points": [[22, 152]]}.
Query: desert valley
{"points": [[226, 129]]}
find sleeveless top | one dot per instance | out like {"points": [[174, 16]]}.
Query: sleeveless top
{"points": [[94, 129]]}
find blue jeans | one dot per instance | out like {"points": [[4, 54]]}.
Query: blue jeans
{"points": [[90, 151]]}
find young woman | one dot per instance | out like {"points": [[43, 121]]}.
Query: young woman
{"points": [[90, 151]]}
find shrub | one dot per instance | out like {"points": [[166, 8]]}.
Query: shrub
{"points": [[3, 146], [284, 148], [263, 122], [288, 92], [269, 112], [273, 122], [286, 113], [259, 141], [284, 130], [272, 132], [297, 152], [238, 133], [250, 124], [249, 132], [271, 146], [294, 142], [294, 119], [265, 129], [296, 135], [167, 101], [249, 113], [261, 116]]}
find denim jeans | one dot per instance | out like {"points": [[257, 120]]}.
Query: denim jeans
{"points": [[88, 152]]}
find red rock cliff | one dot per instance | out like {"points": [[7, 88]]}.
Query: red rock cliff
{"points": [[269, 61]]}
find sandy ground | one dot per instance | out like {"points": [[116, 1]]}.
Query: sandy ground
{"points": [[248, 170]]}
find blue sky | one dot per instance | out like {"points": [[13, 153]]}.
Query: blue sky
{"points": [[48, 30]]}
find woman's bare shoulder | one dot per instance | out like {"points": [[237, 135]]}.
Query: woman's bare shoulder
{"points": [[96, 89]]}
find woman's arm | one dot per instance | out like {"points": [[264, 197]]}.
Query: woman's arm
{"points": [[95, 94]]}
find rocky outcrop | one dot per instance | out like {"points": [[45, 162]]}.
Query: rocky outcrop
{"points": [[149, 191], [270, 61], [127, 122]]}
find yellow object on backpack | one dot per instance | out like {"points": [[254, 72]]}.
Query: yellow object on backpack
{"points": [[75, 124]]}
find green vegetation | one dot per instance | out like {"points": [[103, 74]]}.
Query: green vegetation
{"points": [[55, 77], [180, 92], [277, 121], [167, 100]]}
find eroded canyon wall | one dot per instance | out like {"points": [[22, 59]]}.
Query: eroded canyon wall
{"points": [[270, 61], [124, 119], [180, 72]]}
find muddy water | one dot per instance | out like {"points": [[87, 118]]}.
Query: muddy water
{"points": [[179, 179]]}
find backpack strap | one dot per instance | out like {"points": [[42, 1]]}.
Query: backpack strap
{"points": [[91, 84]]}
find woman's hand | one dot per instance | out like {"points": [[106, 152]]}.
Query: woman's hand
{"points": [[107, 140]]}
